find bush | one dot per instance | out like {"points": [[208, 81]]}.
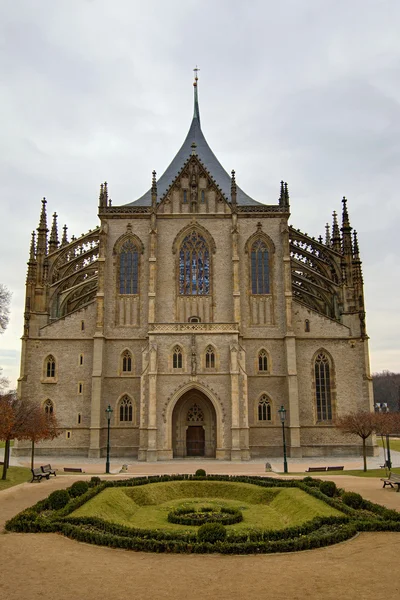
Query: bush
{"points": [[328, 488], [211, 532], [353, 499], [58, 499], [200, 473], [94, 481], [78, 488]]}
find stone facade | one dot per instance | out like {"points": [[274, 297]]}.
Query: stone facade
{"points": [[196, 363]]}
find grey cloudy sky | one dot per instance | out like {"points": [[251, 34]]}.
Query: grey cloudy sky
{"points": [[302, 90]]}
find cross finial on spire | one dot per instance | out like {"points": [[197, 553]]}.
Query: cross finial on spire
{"points": [[196, 70]]}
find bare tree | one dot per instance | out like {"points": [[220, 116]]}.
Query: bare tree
{"points": [[5, 299], [361, 423]]}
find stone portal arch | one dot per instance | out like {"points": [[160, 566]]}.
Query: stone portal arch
{"points": [[194, 430]]}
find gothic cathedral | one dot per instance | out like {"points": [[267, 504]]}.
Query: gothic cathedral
{"points": [[195, 313]]}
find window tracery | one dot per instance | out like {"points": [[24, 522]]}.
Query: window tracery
{"points": [[126, 362], [264, 409], [50, 366], [259, 257], [129, 268], [194, 266], [210, 358], [195, 414], [263, 361], [48, 407], [177, 358], [323, 393], [126, 409]]}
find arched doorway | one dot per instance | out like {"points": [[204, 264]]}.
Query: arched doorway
{"points": [[194, 426]]}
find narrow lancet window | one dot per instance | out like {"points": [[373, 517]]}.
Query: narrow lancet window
{"points": [[125, 409], [323, 388], [126, 362], [260, 268], [210, 358], [264, 408], [177, 358], [194, 266], [128, 268], [50, 366], [263, 361], [48, 407]]}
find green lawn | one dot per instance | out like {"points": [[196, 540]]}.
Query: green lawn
{"points": [[393, 444], [355, 472], [2, 444], [148, 506], [15, 475]]}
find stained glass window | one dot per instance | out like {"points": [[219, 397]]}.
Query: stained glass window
{"points": [[202, 196], [323, 388], [126, 362], [210, 358], [259, 268], [184, 197], [128, 268], [50, 366], [194, 266], [264, 409], [125, 409], [177, 358], [262, 361]]}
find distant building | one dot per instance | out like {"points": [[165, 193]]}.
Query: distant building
{"points": [[196, 312]]}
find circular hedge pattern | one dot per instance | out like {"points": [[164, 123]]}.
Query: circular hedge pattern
{"points": [[191, 516]]}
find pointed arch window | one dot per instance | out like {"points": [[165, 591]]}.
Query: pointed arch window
{"points": [[194, 266], [50, 366], [210, 358], [323, 393], [264, 408], [202, 196], [129, 268], [195, 414], [177, 358], [260, 268], [126, 362], [48, 407], [125, 409], [263, 361]]}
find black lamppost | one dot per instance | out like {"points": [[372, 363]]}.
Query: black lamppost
{"points": [[282, 415], [383, 407], [109, 412]]}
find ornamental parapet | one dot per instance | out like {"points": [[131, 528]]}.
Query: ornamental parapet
{"points": [[193, 328]]}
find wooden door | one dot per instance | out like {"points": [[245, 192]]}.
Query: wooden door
{"points": [[195, 440]]}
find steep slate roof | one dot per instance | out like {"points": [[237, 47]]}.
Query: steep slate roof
{"points": [[206, 156]]}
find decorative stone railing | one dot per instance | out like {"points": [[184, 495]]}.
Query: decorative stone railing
{"points": [[193, 327]]}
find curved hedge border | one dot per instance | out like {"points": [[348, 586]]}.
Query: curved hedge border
{"points": [[319, 532], [190, 516]]}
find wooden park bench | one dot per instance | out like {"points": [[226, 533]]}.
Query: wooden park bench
{"points": [[315, 469], [73, 470], [335, 468], [392, 480], [37, 474], [48, 469]]}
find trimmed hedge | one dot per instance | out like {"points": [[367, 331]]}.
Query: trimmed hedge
{"points": [[190, 516], [316, 533]]}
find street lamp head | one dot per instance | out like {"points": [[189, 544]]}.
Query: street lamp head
{"points": [[282, 414], [109, 412]]}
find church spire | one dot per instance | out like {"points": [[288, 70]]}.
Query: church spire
{"points": [[327, 235], [233, 190], [196, 111], [42, 231], [346, 230], [64, 240], [31, 276], [53, 242]]}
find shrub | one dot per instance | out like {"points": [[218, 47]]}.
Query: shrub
{"points": [[211, 532], [200, 473], [353, 499], [58, 499], [78, 488], [328, 488], [94, 481]]}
